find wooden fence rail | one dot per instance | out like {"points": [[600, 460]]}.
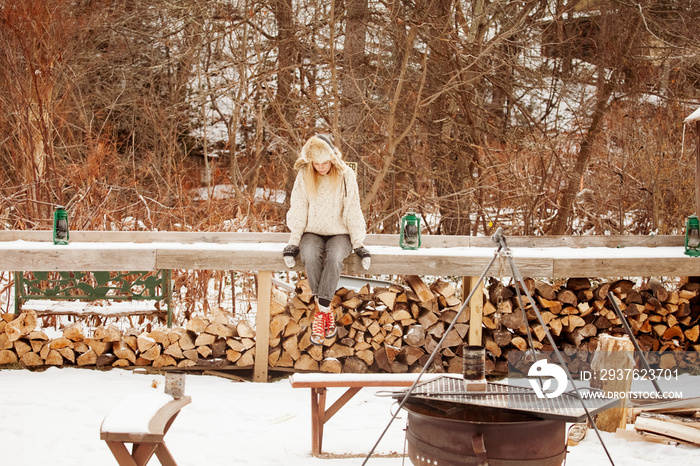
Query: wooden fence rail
{"points": [[465, 256]]}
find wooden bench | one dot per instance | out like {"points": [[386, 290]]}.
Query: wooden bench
{"points": [[143, 420], [95, 286], [319, 383]]}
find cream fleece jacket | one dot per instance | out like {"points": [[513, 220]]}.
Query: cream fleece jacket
{"points": [[333, 211]]}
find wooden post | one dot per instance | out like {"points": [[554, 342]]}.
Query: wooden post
{"points": [[697, 167], [614, 355], [476, 308], [262, 326]]}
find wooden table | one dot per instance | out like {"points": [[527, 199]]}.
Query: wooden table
{"points": [[321, 382]]}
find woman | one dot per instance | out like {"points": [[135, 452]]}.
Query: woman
{"points": [[326, 224]]}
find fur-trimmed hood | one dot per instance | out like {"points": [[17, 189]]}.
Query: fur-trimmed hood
{"points": [[320, 148]]}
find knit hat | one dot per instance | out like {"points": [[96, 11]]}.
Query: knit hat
{"points": [[319, 149]]}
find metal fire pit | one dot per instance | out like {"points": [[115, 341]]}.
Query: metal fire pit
{"points": [[501, 426]]}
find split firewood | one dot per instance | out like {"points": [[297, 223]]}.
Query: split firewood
{"points": [[419, 288], [21, 326], [244, 329], [332, 365], [21, 348], [8, 357], [123, 351]]}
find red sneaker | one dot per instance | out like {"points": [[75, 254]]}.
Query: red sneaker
{"points": [[331, 329], [318, 328]]}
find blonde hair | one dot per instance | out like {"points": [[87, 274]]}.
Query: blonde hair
{"points": [[312, 178], [317, 149]]}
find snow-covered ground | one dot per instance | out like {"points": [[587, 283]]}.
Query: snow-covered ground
{"points": [[53, 417]]}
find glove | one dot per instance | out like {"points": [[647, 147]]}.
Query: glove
{"points": [[364, 254], [289, 253]]}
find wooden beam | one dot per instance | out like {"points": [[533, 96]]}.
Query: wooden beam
{"points": [[697, 167], [428, 241], [476, 308], [262, 326]]}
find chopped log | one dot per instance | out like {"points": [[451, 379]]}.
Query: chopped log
{"points": [[197, 324], [219, 329], [577, 284], [388, 299], [692, 334], [331, 365], [21, 347], [306, 363], [545, 290], [567, 297], [164, 360], [21, 326], [303, 291], [355, 366], [160, 336], [74, 332], [502, 337], [667, 361], [152, 353], [68, 354], [415, 336], [673, 332], [278, 323], [31, 359], [339, 351], [8, 357], [492, 347], [419, 288], [53, 358], [244, 329], [123, 351], [668, 429], [204, 339], [613, 352], [600, 293], [110, 333], [59, 343], [572, 322], [99, 347], [519, 342], [581, 333], [247, 359], [5, 342], [291, 346], [144, 342], [553, 306], [191, 354], [514, 321], [89, 358], [204, 351]]}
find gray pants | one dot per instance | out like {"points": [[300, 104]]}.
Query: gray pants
{"points": [[323, 258]]}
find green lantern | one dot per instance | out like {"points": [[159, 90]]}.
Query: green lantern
{"points": [[410, 231], [60, 226], [692, 236]]}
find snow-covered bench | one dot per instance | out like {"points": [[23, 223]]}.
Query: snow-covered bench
{"points": [[319, 383], [142, 419]]}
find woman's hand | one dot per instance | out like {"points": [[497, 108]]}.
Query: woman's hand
{"points": [[289, 253], [364, 254]]}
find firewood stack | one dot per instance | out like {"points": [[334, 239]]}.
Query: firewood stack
{"points": [[395, 329], [389, 329], [575, 311], [392, 329], [203, 342]]}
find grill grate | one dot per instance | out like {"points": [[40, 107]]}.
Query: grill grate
{"points": [[566, 407]]}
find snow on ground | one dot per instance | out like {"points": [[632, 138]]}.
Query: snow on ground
{"points": [[54, 417]]}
